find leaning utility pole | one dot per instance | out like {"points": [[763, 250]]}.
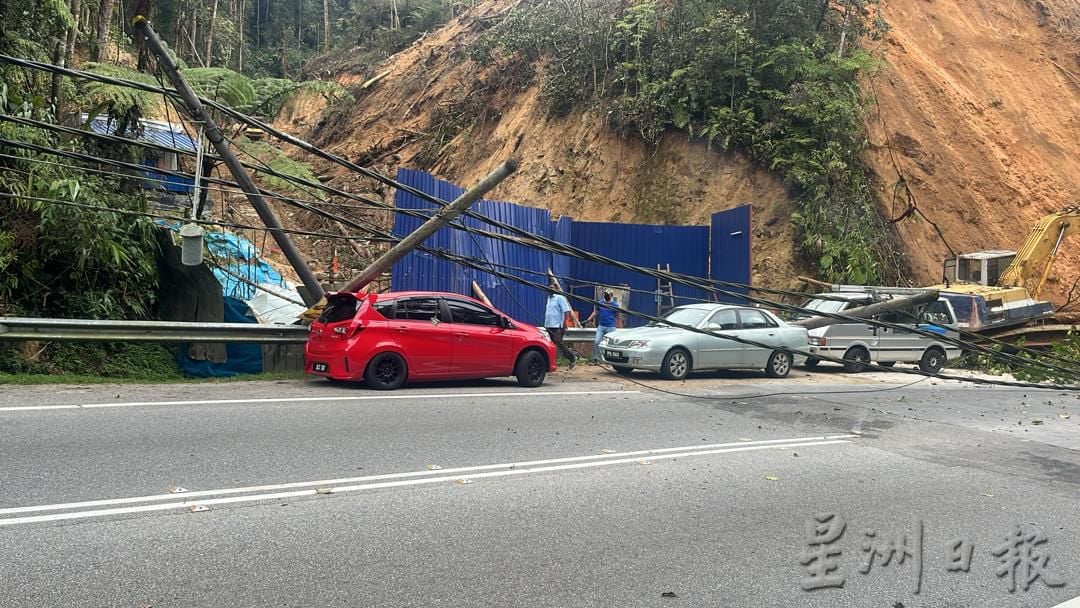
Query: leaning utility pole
{"points": [[865, 312], [430, 227], [217, 138]]}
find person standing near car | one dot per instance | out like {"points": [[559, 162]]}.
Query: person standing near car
{"points": [[557, 316], [605, 316]]}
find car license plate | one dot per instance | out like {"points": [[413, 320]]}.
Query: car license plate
{"points": [[613, 354], [319, 367]]}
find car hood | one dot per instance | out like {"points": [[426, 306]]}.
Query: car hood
{"points": [[644, 333]]}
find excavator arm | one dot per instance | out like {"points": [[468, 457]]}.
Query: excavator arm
{"points": [[1033, 261]]}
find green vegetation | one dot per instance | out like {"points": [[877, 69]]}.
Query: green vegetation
{"points": [[775, 79], [1067, 350]]}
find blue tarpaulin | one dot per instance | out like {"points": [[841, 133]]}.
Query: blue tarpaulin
{"points": [[240, 358]]}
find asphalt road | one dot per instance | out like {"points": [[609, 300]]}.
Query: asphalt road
{"points": [[581, 493]]}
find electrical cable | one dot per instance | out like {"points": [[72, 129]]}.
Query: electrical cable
{"points": [[772, 347], [131, 212], [847, 318], [567, 250], [763, 395]]}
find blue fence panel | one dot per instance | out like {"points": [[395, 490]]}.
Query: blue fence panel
{"points": [[424, 271], [731, 250], [683, 247]]}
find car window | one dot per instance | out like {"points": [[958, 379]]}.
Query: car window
{"points": [[937, 312], [385, 308], [726, 319], [755, 319], [417, 309], [473, 314], [339, 308], [684, 316]]}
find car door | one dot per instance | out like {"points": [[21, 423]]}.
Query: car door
{"points": [[419, 330], [482, 346], [757, 326], [715, 352], [894, 344]]}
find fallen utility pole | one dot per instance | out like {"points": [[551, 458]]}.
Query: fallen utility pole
{"points": [[217, 138], [430, 227], [865, 312]]}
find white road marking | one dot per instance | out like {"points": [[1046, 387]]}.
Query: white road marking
{"points": [[79, 406], [1073, 603], [188, 494], [399, 480]]}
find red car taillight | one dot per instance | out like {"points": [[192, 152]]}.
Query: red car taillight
{"points": [[344, 332]]}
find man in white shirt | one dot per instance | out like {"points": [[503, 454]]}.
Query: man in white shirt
{"points": [[557, 316]]}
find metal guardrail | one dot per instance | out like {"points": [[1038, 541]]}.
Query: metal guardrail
{"points": [[89, 330]]}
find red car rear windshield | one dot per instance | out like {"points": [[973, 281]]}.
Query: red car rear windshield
{"points": [[339, 308]]}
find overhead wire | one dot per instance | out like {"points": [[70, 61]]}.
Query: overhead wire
{"points": [[685, 279], [566, 250], [694, 281]]}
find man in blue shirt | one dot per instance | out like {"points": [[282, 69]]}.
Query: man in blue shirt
{"points": [[557, 315], [604, 313]]}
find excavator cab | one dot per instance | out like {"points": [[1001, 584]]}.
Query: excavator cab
{"points": [[979, 268]]}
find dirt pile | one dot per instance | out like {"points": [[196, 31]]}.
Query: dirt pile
{"points": [[980, 102], [978, 107], [435, 110]]}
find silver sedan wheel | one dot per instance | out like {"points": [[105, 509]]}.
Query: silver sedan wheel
{"points": [[781, 364], [678, 364]]}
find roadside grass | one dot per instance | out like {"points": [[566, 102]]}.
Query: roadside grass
{"points": [[30, 379], [110, 363]]}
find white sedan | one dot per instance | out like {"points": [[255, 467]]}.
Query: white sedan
{"points": [[675, 352]]}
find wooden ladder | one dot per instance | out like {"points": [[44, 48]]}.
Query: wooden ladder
{"points": [[664, 289]]}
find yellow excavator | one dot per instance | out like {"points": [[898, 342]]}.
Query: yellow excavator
{"points": [[996, 289]]}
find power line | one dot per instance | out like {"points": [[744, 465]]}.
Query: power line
{"points": [[688, 280], [145, 214], [528, 238]]}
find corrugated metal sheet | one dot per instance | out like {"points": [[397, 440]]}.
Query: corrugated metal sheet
{"points": [[162, 134], [730, 245], [685, 248], [423, 271]]}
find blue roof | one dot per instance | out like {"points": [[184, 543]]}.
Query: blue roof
{"points": [[160, 133]]}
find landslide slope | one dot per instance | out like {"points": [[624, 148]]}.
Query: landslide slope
{"points": [[438, 111], [977, 107], [980, 102]]}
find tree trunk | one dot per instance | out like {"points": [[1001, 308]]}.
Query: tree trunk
{"points": [[210, 36], [56, 94], [240, 26], [73, 33], [193, 26], [103, 27], [326, 24]]}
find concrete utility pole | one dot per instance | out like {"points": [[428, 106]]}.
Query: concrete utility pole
{"points": [[430, 227], [865, 312], [217, 138]]}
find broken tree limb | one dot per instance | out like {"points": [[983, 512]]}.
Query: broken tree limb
{"points": [[374, 79], [480, 295], [865, 312], [430, 227], [810, 281], [217, 138]]}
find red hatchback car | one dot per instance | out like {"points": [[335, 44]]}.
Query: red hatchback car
{"points": [[387, 339]]}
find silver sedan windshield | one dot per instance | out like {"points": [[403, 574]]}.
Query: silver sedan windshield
{"points": [[685, 316]]}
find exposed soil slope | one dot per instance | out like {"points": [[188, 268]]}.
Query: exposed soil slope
{"points": [[440, 112], [983, 125]]}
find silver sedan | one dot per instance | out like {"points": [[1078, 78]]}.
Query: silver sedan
{"points": [[675, 352]]}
